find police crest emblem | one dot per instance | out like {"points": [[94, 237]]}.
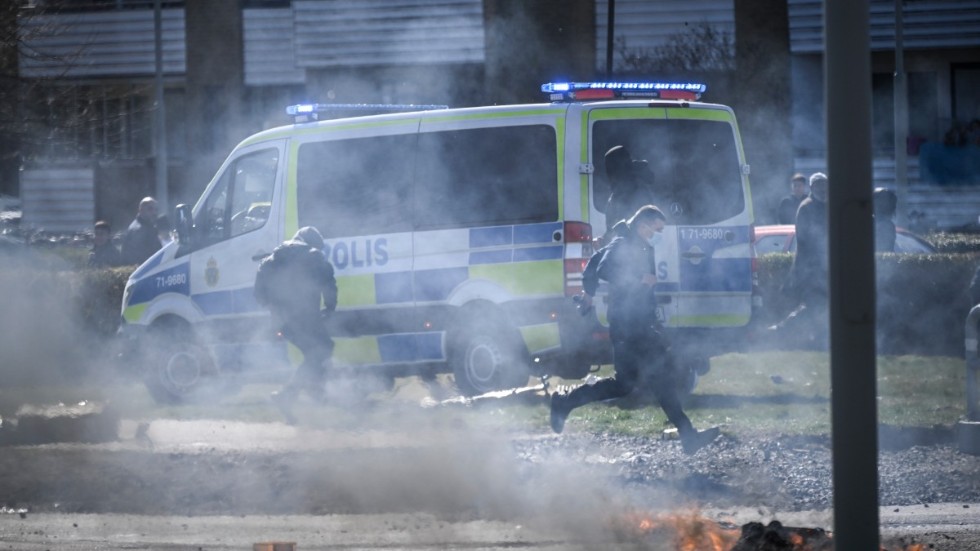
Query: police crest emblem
{"points": [[211, 272]]}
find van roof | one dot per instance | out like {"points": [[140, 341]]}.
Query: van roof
{"points": [[483, 111]]}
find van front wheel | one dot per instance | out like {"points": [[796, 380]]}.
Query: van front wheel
{"points": [[179, 370], [485, 359]]}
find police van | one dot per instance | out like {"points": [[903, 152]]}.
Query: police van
{"points": [[458, 237]]}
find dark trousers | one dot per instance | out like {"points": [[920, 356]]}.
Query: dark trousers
{"points": [[643, 361], [310, 335]]}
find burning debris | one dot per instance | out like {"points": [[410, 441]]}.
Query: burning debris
{"points": [[275, 546], [776, 537], [693, 532]]}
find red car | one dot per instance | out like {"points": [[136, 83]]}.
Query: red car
{"points": [[782, 239]]}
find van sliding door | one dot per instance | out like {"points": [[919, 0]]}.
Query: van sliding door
{"points": [[354, 185], [487, 216]]}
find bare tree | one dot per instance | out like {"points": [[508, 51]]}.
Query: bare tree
{"points": [[16, 125], [9, 95], [52, 116]]}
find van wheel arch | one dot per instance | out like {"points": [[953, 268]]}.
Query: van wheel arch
{"points": [[485, 351]]}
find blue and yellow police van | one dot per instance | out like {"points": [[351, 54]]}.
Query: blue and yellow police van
{"points": [[458, 237]]}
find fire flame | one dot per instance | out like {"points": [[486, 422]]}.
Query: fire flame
{"points": [[689, 531]]}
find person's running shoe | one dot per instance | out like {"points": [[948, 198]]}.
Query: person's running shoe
{"points": [[559, 412]]}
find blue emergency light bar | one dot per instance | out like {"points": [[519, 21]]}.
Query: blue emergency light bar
{"points": [[579, 91], [309, 112]]}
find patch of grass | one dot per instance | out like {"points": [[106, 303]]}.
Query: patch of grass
{"points": [[768, 392], [917, 391], [789, 393]]}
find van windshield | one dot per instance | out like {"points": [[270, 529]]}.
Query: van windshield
{"points": [[690, 168]]}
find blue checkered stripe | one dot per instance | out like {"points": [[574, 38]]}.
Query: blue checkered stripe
{"points": [[485, 245]]}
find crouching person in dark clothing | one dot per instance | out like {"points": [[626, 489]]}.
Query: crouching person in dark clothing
{"points": [[641, 352], [291, 283]]}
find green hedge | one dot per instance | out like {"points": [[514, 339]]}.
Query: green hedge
{"points": [[952, 243], [57, 322], [922, 299]]}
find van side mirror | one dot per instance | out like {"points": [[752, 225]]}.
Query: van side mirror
{"points": [[184, 224]]}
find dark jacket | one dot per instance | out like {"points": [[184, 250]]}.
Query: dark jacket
{"points": [[810, 265], [104, 256], [292, 281], [788, 207], [632, 305], [590, 276], [885, 235], [140, 241]]}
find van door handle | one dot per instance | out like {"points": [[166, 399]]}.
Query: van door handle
{"points": [[260, 256]]}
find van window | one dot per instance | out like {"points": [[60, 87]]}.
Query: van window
{"points": [[356, 187], [487, 176], [242, 199], [693, 164]]}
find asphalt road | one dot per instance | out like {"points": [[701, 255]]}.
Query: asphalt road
{"points": [[949, 526], [945, 526]]}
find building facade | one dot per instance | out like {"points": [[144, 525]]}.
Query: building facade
{"points": [[229, 68]]}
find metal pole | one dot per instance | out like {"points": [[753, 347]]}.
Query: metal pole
{"points": [[901, 120], [610, 24], [159, 119], [852, 274]]}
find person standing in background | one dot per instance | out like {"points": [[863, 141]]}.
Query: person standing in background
{"points": [[885, 203], [799, 190], [629, 188], [142, 238], [103, 254], [809, 272]]}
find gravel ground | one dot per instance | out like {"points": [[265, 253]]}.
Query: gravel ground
{"points": [[203, 474], [779, 473], [223, 468]]}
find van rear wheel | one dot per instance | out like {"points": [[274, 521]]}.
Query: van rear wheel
{"points": [[486, 358]]}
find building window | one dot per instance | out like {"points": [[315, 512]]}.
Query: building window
{"points": [[966, 92], [487, 176], [89, 122], [923, 109]]}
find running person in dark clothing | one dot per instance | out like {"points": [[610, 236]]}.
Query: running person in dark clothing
{"points": [[641, 351], [291, 283]]}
